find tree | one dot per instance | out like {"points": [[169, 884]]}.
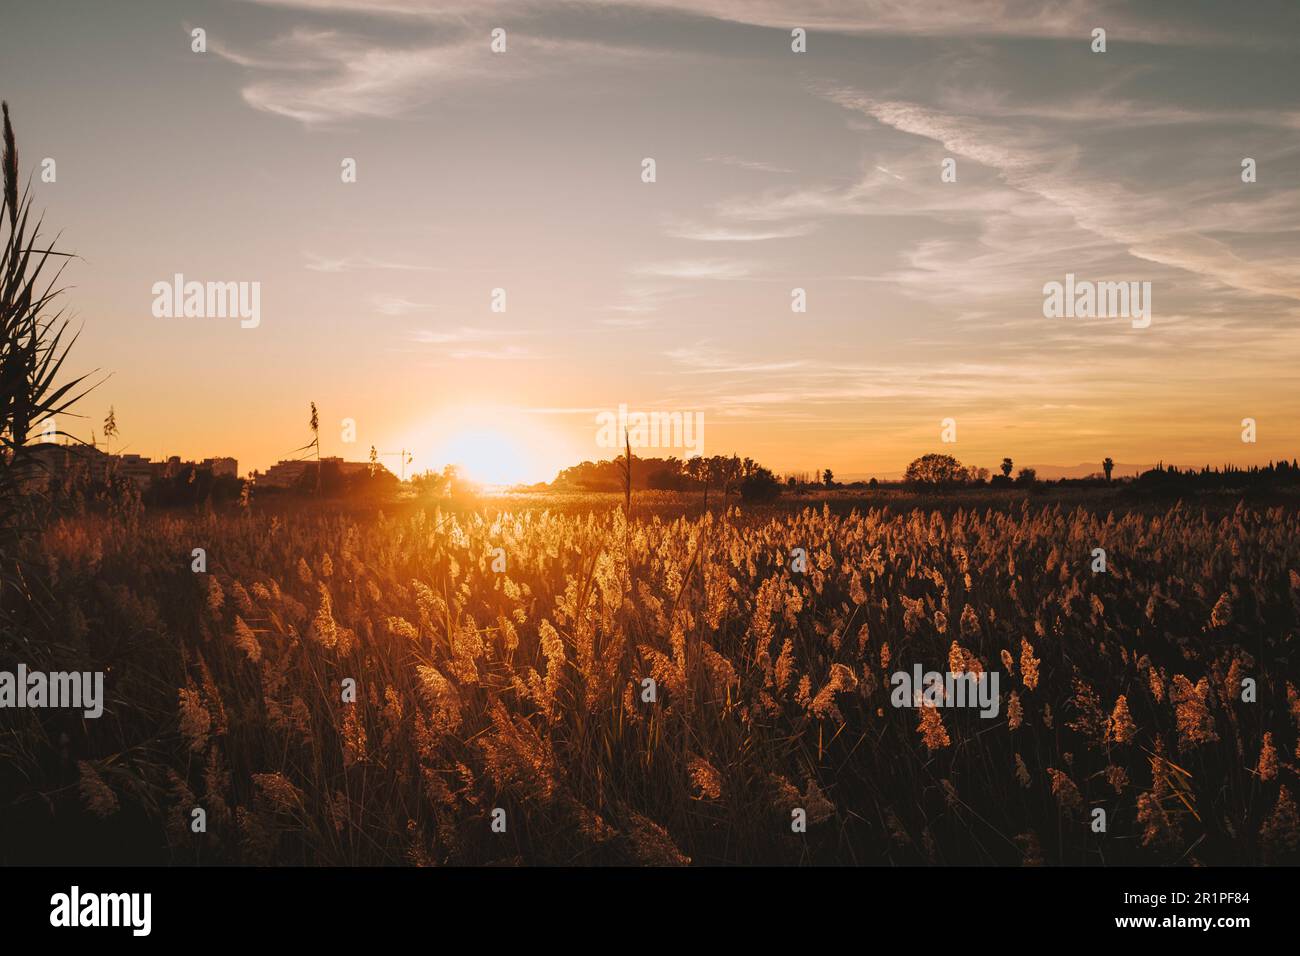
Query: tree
{"points": [[1108, 466], [759, 484], [828, 478], [728, 471], [936, 471], [700, 469], [666, 478], [1006, 467], [431, 483], [1026, 476]]}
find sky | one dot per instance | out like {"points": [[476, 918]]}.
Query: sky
{"points": [[774, 170]]}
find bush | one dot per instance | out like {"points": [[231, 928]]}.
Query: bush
{"points": [[760, 486]]}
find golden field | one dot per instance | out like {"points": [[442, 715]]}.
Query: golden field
{"points": [[522, 689]]}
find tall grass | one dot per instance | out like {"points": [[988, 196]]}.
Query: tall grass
{"points": [[525, 690]]}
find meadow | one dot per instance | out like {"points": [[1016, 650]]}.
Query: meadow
{"points": [[501, 653]]}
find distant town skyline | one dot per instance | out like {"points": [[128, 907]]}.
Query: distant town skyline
{"points": [[288, 471], [848, 242]]}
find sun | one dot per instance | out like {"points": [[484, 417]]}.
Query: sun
{"points": [[487, 456], [492, 446]]}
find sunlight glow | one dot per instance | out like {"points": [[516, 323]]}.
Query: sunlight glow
{"points": [[487, 456], [492, 447]]}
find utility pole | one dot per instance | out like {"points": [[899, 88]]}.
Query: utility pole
{"points": [[406, 458]]}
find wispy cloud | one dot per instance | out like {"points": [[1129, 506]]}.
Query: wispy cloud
{"points": [[754, 165], [396, 305], [354, 263], [461, 335], [627, 321], [967, 18], [468, 342], [505, 353], [729, 381], [697, 269], [322, 76], [1150, 225], [729, 233], [326, 76]]}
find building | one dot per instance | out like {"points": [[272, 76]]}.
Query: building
{"points": [[54, 462], [138, 469], [172, 467], [290, 474], [283, 474], [217, 467], [349, 468], [221, 467]]}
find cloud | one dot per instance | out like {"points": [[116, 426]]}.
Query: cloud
{"points": [[724, 233], [591, 410], [751, 164], [641, 302], [396, 305], [461, 335], [321, 77], [627, 321], [506, 353], [324, 76], [317, 263], [697, 269], [706, 359], [329, 73], [1149, 224], [1037, 195], [965, 18], [467, 342], [729, 382]]}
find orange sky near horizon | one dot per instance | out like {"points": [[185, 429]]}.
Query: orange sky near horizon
{"points": [[782, 179]]}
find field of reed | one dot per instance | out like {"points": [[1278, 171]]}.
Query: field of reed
{"points": [[524, 689]]}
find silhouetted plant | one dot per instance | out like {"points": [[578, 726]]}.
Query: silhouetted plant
{"points": [[32, 352]]}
